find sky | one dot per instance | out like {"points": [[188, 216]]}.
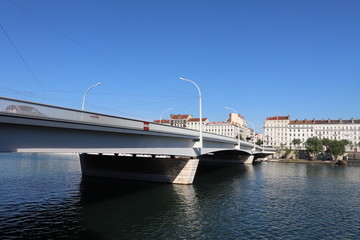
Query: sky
{"points": [[262, 58]]}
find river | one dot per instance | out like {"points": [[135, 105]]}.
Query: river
{"points": [[44, 196]]}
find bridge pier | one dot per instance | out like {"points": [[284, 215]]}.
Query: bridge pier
{"points": [[169, 170], [249, 160]]}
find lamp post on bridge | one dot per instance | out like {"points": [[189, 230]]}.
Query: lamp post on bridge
{"points": [[83, 101], [254, 133], [238, 125], [200, 110], [164, 112]]}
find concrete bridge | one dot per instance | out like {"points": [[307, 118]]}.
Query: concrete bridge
{"points": [[112, 146]]}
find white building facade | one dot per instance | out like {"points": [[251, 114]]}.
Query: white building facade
{"points": [[275, 131], [222, 128], [281, 131], [231, 128]]}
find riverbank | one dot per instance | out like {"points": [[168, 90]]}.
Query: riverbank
{"points": [[300, 161]]}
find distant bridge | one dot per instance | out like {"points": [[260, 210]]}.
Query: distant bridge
{"points": [[119, 144]]}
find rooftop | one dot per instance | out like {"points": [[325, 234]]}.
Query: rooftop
{"points": [[197, 119], [279, 118], [180, 116], [328, 121]]}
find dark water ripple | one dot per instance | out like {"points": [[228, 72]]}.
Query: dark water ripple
{"points": [[45, 197]]}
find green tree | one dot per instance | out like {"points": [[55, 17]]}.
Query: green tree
{"points": [[314, 146], [259, 142], [335, 148], [296, 143], [326, 143], [241, 137]]}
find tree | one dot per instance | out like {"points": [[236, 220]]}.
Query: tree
{"points": [[335, 148], [296, 142], [326, 143], [241, 137], [314, 146], [259, 142]]}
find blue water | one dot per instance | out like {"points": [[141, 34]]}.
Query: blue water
{"points": [[44, 196]]}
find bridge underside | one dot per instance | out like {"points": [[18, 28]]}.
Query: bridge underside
{"points": [[169, 170], [227, 157]]}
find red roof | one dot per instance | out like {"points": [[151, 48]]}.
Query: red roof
{"points": [[196, 119], [278, 118], [179, 116], [162, 121], [329, 121]]}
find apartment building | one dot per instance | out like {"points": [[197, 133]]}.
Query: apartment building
{"points": [[234, 125], [281, 131], [222, 128], [276, 131]]}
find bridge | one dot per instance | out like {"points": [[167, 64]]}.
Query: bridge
{"points": [[111, 146]]}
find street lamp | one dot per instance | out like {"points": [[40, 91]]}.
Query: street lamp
{"points": [[238, 125], [83, 102], [254, 133], [200, 109], [163, 113]]}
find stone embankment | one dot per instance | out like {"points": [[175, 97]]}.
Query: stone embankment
{"points": [[300, 161]]}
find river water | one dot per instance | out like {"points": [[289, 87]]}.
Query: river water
{"points": [[44, 196]]}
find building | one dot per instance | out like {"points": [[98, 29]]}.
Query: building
{"points": [[275, 131], [222, 128], [194, 123], [179, 120], [280, 131], [231, 128]]}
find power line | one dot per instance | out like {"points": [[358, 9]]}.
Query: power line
{"points": [[86, 47], [21, 57]]}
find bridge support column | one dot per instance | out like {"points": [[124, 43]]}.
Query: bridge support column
{"points": [[170, 170], [249, 160]]}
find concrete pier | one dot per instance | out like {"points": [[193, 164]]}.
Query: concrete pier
{"points": [[169, 170]]}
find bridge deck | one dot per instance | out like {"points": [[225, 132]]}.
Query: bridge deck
{"points": [[34, 127]]}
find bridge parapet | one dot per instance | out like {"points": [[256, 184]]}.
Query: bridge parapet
{"points": [[27, 113], [20, 108]]}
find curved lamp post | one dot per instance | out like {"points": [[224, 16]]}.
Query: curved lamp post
{"points": [[200, 106], [83, 101], [163, 113], [238, 125]]}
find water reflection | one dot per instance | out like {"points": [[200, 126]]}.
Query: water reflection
{"points": [[38, 196], [45, 197], [190, 218]]}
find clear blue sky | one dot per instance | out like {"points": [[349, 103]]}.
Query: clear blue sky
{"points": [[260, 57]]}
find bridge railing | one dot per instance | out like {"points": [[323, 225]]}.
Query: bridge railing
{"points": [[15, 107], [42, 111]]}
